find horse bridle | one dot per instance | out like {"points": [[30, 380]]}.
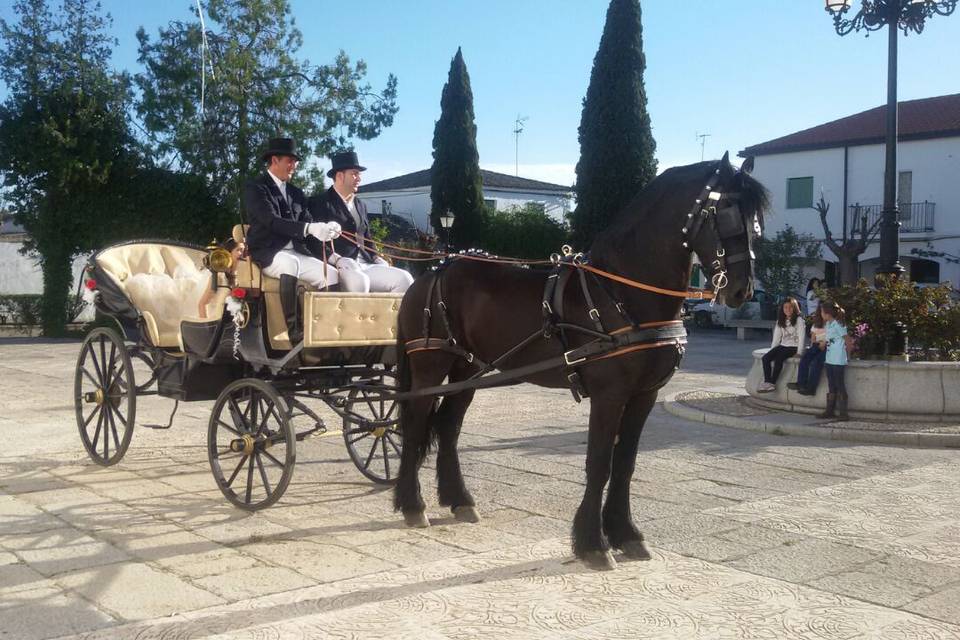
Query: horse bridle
{"points": [[727, 222]]}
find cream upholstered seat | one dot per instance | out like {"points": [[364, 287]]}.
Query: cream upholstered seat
{"points": [[165, 283], [248, 274]]}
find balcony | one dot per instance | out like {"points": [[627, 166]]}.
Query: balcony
{"points": [[915, 217]]}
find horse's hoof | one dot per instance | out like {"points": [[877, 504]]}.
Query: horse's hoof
{"points": [[600, 560], [635, 550], [466, 514], [417, 519]]}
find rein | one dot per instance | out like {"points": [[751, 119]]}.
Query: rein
{"points": [[701, 294]]}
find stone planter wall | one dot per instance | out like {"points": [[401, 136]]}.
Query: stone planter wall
{"points": [[878, 390]]}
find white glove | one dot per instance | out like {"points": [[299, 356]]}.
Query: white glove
{"points": [[347, 264], [380, 261], [323, 231]]}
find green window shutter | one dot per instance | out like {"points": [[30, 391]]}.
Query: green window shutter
{"points": [[799, 193]]}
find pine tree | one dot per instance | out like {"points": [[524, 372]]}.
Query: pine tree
{"points": [[616, 144], [456, 184]]}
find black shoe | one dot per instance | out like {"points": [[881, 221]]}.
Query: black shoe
{"points": [[807, 392], [794, 386]]}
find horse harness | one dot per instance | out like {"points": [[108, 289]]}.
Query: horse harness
{"points": [[727, 222], [605, 344]]}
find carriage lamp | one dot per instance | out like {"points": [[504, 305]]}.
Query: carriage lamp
{"points": [[90, 284], [239, 293], [446, 220], [219, 260], [895, 15]]}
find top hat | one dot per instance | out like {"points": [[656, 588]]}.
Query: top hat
{"points": [[281, 147], [344, 160]]}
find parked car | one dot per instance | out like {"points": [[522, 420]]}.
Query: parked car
{"points": [[719, 315]]}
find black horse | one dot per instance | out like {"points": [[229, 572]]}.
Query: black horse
{"points": [[708, 208]]}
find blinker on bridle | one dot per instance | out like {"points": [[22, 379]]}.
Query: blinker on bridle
{"points": [[727, 222]]}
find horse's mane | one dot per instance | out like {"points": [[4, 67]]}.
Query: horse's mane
{"points": [[686, 182]]}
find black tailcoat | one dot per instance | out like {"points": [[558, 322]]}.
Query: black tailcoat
{"points": [[275, 220], [330, 207]]}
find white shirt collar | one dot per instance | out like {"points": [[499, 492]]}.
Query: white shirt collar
{"points": [[280, 184], [348, 200]]}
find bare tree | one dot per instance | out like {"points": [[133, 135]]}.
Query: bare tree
{"points": [[851, 245]]}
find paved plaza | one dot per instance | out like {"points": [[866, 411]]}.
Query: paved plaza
{"points": [[753, 534]]}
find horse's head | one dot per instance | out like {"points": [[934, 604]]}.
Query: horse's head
{"points": [[720, 228]]}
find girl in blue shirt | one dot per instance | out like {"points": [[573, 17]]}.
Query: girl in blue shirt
{"points": [[836, 360]]}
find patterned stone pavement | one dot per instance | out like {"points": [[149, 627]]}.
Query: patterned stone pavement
{"points": [[753, 535]]}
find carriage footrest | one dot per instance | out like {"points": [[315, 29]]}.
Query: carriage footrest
{"points": [[350, 319]]}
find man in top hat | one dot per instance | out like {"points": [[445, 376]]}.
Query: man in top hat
{"points": [[282, 238], [359, 266]]}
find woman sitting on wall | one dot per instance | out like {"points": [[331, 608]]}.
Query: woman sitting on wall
{"points": [[788, 337]]}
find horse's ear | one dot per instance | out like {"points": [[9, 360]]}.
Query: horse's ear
{"points": [[725, 160], [747, 166]]}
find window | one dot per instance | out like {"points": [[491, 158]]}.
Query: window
{"points": [[924, 271], [491, 204], [905, 189], [799, 193]]}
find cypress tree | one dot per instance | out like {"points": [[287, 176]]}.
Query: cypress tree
{"points": [[456, 184], [616, 144]]}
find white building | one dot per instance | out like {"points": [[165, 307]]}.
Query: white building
{"points": [[844, 161], [408, 196], [21, 274]]}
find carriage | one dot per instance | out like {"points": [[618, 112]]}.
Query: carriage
{"points": [[232, 346], [607, 328]]}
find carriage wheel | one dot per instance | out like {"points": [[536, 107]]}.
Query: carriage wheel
{"points": [[250, 444], [105, 396], [371, 430]]}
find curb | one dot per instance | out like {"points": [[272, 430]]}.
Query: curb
{"points": [[677, 408]]}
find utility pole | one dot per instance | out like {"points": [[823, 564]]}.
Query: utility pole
{"points": [[703, 143], [517, 130]]}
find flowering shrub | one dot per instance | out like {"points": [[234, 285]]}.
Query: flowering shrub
{"points": [[930, 316]]}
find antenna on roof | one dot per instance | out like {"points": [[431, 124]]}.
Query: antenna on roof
{"points": [[517, 130], [703, 143]]}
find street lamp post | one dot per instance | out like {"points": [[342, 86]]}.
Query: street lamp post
{"points": [[446, 221], [906, 15]]}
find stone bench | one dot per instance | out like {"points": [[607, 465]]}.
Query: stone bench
{"points": [[744, 326], [878, 390]]}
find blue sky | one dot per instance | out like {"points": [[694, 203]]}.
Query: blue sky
{"points": [[743, 71]]}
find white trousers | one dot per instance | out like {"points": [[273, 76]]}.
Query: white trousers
{"points": [[375, 277], [309, 269]]}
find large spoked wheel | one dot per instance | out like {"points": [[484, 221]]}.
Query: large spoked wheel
{"points": [[250, 444], [371, 429], [105, 396]]}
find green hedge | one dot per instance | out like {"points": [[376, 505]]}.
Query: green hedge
{"points": [[23, 309], [523, 232]]}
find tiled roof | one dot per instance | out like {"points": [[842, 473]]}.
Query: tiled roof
{"points": [[937, 117], [491, 180]]}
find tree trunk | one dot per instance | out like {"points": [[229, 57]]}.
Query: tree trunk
{"points": [[849, 268], [57, 278]]}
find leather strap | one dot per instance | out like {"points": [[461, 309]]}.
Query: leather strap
{"points": [[650, 336]]}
